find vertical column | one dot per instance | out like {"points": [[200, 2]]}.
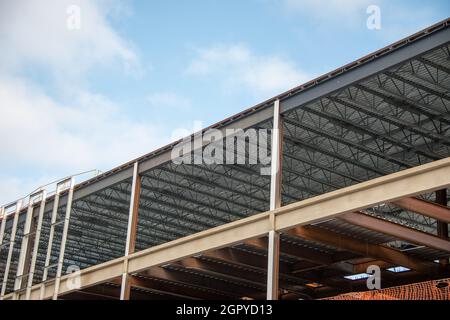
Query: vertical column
{"points": [[50, 240], [131, 231], [64, 239], [442, 227], [273, 265], [275, 202], [2, 226], [11, 248], [24, 252], [37, 238]]}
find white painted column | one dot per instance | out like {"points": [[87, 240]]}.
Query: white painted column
{"points": [[37, 238], [131, 231], [64, 239], [50, 238], [2, 226], [24, 251], [11, 248], [275, 202]]}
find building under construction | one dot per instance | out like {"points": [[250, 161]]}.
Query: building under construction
{"points": [[356, 190]]}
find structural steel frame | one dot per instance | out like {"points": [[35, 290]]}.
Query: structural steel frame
{"points": [[408, 183], [358, 144], [379, 61]]}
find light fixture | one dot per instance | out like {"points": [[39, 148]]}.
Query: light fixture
{"points": [[398, 269], [314, 285], [357, 276]]}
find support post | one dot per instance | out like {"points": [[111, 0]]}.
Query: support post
{"points": [[275, 202], [11, 248], [64, 239], [273, 257], [50, 238], [24, 253], [131, 231], [276, 161], [2, 226], [442, 227], [37, 238]]}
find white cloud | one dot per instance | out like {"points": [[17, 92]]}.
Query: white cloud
{"points": [[237, 66], [345, 12], [398, 18], [36, 32], [88, 132], [50, 136], [45, 136], [168, 99], [12, 188]]}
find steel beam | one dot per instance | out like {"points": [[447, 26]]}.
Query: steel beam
{"points": [[172, 287], [380, 61], [396, 230], [26, 252], [225, 269], [407, 183], [243, 258], [35, 251], [48, 255], [11, 248], [434, 65], [390, 119], [276, 161], [442, 226], [273, 255], [64, 239], [240, 271], [273, 258], [380, 64], [131, 230], [363, 248], [2, 225], [426, 208], [350, 144], [189, 277], [418, 86], [294, 250], [385, 62], [341, 120]]}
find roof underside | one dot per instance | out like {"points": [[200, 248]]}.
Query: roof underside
{"points": [[392, 120]]}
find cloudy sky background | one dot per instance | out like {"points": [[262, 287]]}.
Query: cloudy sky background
{"points": [[136, 71]]}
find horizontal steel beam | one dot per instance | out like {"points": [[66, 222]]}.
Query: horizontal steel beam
{"points": [[364, 248], [426, 208], [293, 250], [396, 230], [364, 71]]}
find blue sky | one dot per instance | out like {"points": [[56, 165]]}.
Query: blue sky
{"points": [[136, 71]]}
